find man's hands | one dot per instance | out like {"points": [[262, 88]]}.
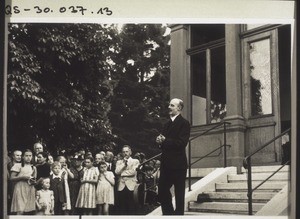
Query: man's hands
{"points": [[125, 162]]}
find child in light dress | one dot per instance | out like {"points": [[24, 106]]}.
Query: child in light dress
{"points": [[105, 189], [24, 175], [87, 193], [45, 198]]}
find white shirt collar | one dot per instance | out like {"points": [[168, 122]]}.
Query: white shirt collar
{"points": [[56, 176], [174, 117]]}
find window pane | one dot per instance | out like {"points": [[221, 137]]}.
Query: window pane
{"points": [[260, 74], [199, 88], [205, 33], [218, 85]]}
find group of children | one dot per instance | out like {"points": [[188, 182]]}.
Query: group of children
{"points": [[51, 195], [97, 188]]}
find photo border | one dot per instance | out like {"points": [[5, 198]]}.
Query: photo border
{"points": [[145, 11]]}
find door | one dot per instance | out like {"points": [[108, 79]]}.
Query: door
{"points": [[261, 104]]}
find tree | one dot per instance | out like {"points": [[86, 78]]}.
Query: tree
{"points": [[59, 85], [87, 85], [142, 91]]}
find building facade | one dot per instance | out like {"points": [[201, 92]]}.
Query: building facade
{"points": [[236, 73]]}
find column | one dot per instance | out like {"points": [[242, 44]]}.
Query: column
{"points": [[234, 91], [180, 67]]}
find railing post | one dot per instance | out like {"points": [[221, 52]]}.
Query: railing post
{"points": [[144, 189], [225, 145], [249, 182], [190, 158]]}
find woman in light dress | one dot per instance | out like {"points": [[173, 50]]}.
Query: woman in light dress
{"points": [[87, 193], [24, 175]]}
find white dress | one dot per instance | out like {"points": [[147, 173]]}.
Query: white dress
{"points": [[45, 197], [105, 191], [23, 199], [87, 192]]}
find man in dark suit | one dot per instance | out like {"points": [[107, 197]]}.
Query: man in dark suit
{"points": [[37, 148], [109, 157], [173, 141]]}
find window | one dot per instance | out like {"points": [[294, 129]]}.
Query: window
{"points": [[208, 74], [199, 97], [218, 86], [260, 77], [205, 33]]}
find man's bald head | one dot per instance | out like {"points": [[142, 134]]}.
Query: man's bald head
{"points": [[179, 102], [38, 147], [175, 106]]}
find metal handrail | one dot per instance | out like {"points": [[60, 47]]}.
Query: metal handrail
{"points": [[139, 169], [276, 171], [247, 165], [208, 130], [190, 140], [208, 154], [201, 134], [267, 143], [147, 161]]}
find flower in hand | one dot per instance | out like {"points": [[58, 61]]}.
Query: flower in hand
{"points": [[160, 139], [43, 206]]}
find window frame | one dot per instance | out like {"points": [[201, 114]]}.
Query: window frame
{"points": [[267, 34], [207, 47]]}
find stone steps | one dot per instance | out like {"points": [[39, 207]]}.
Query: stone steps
{"points": [[281, 176], [223, 207], [242, 186], [230, 198], [259, 197], [264, 169], [210, 214]]}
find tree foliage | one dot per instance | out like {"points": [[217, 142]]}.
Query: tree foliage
{"points": [[58, 84], [86, 85], [141, 95]]}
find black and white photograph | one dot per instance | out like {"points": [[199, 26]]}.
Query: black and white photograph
{"points": [[185, 118]]}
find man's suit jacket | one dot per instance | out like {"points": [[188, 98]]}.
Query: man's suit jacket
{"points": [[177, 135], [111, 167], [127, 176]]}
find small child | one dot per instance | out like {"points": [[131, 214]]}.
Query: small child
{"points": [[105, 189], [151, 187], [45, 198], [59, 186], [87, 193]]}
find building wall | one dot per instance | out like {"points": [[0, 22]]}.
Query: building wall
{"points": [[246, 132], [180, 71], [180, 87]]}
